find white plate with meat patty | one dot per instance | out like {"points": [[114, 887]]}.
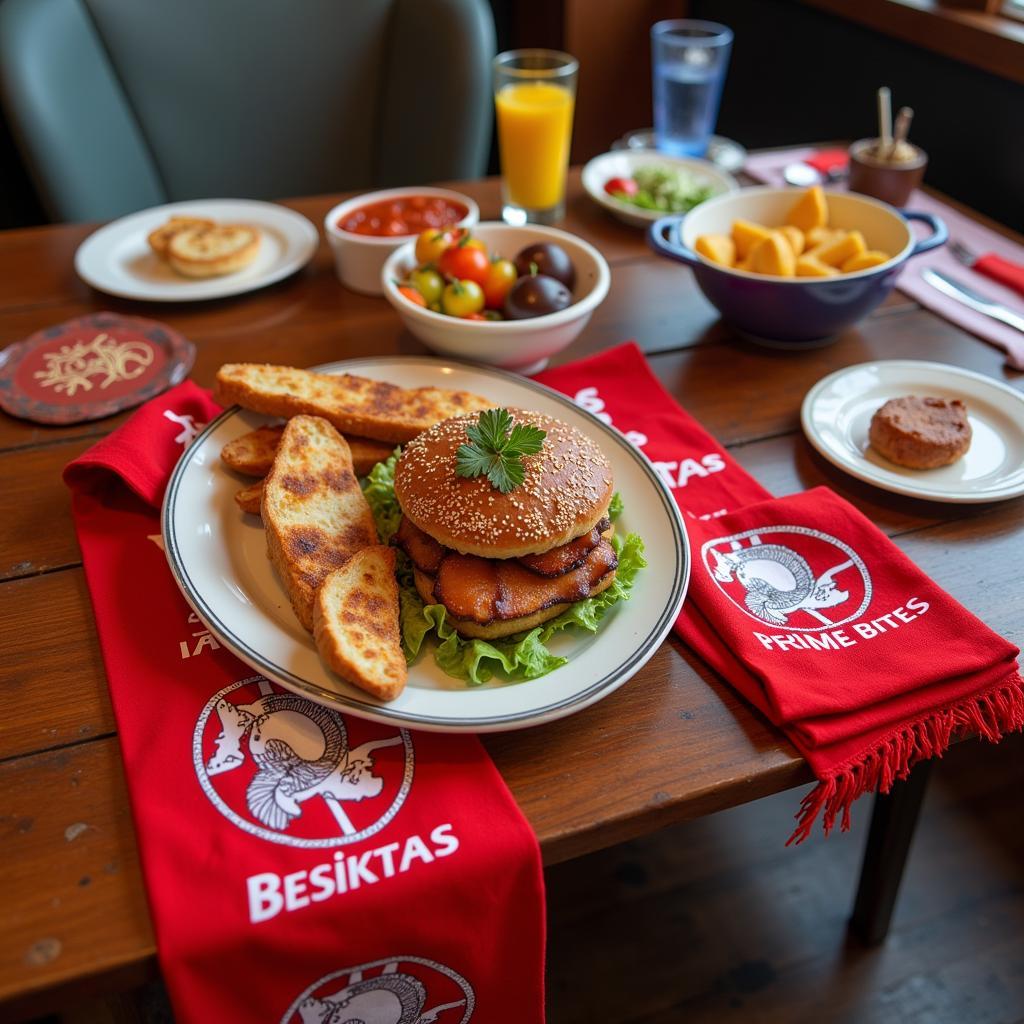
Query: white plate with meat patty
{"points": [[218, 556], [837, 413]]}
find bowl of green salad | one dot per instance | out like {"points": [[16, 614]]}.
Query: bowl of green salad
{"points": [[640, 186]]}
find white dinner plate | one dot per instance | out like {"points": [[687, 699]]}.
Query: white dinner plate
{"points": [[117, 259], [218, 557], [837, 412]]}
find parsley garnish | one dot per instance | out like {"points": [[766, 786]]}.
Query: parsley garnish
{"points": [[497, 449]]}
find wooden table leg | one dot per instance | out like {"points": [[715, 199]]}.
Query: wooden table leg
{"points": [[893, 820]]}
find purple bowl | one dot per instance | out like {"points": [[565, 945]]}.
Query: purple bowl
{"points": [[799, 312]]}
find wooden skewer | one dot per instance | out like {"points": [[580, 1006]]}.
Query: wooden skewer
{"points": [[902, 129], [884, 121]]}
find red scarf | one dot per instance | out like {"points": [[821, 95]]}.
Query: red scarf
{"points": [[400, 879], [807, 609]]}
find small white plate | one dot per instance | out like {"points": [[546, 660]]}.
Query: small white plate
{"points": [[837, 412], [219, 560], [622, 164], [117, 259]]}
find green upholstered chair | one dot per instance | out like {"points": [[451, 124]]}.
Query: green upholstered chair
{"points": [[117, 105]]}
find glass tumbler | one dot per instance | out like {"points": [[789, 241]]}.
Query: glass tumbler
{"points": [[534, 98], [689, 59]]}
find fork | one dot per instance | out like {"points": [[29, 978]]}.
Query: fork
{"points": [[1006, 272]]}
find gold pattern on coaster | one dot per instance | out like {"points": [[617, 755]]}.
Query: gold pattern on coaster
{"points": [[71, 367], [91, 367]]}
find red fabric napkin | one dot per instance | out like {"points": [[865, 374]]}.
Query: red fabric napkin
{"points": [[301, 865], [826, 160], [807, 609]]}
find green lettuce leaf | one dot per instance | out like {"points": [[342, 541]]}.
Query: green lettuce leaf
{"points": [[379, 491], [615, 507], [515, 658]]}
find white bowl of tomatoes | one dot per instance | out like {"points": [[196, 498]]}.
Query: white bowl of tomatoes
{"points": [[497, 294], [364, 231]]}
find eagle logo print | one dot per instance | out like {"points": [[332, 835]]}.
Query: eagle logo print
{"points": [[291, 771], [398, 990], [790, 576]]}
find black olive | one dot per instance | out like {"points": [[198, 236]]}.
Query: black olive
{"points": [[549, 259], [535, 296]]}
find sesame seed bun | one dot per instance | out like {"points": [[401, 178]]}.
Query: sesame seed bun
{"points": [[565, 493]]}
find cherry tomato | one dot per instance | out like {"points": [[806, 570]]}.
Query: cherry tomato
{"points": [[621, 185], [428, 283], [465, 263], [462, 236], [473, 316], [430, 244], [461, 298], [501, 275], [412, 295]]}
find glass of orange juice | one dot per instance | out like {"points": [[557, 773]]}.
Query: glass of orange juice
{"points": [[534, 97]]}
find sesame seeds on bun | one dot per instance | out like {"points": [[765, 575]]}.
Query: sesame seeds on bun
{"points": [[565, 493]]}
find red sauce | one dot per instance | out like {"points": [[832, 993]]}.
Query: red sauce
{"points": [[406, 216]]}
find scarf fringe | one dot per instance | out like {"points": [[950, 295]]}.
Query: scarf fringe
{"points": [[999, 711]]}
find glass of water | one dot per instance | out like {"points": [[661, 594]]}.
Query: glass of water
{"points": [[690, 59]]}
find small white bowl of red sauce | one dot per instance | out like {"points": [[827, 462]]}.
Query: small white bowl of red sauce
{"points": [[364, 231]]}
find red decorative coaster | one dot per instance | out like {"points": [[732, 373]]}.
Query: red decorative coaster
{"points": [[91, 367]]}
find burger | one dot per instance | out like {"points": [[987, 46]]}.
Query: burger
{"points": [[502, 559]]}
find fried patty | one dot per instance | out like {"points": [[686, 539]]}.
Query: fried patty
{"points": [[921, 432], [494, 597]]}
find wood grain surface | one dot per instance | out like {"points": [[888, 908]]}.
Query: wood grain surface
{"points": [[712, 922], [693, 746]]}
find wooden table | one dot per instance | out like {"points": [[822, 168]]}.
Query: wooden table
{"points": [[674, 743]]}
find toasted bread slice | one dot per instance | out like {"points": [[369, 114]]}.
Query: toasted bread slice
{"points": [[314, 514], [355, 405], [355, 623], [249, 499], [253, 453], [213, 251], [160, 239], [366, 453]]}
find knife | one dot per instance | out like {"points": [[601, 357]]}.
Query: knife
{"points": [[969, 297]]}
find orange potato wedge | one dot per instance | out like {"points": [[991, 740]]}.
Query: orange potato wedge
{"points": [[809, 266], [810, 210], [865, 260], [795, 237], [773, 255], [746, 234], [836, 253], [717, 248]]}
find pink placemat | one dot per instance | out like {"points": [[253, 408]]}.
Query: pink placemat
{"points": [[767, 167]]}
